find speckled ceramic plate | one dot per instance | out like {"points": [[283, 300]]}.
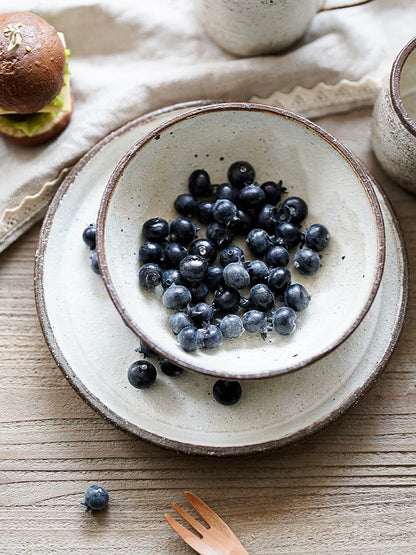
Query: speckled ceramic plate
{"points": [[94, 348]]}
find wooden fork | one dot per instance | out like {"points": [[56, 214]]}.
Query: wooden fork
{"points": [[217, 539]]}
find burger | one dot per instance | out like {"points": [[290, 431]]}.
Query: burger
{"points": [[35, 99]]}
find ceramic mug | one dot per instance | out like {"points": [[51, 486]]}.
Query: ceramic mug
{"points": [[256, 27], [393, 126]]}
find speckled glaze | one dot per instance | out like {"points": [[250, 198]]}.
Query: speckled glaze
{"points": [[393, 129], [256, 27], [93, 348], [280, 145]]}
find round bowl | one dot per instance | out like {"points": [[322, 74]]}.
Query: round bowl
{"points": [[280, 145]]}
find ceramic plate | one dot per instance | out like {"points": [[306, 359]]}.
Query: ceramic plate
{"points": [[94, 348]]}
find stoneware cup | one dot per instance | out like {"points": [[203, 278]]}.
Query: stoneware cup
{"points": [[393, 130], [256, 27]]}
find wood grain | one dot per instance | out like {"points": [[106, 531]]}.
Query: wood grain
{"points": [[349, 489]]}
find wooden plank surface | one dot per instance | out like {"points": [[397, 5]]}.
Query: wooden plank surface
{"points": [[349, 489]]}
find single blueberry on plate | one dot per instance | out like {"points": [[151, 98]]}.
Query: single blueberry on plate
{"points": [[227, 191], [183, 230], [258, 271], [240, 174], [200, 313], [150, 275], [96, 498], [204, 248], [251, 196], [171, 277], [169, 368], [220, 235], [214, 277], [317, 237], [287, 235], [277, 256], [176, 297], [255, 321], [88, 236], [199, 183], [232, 253], [297, 297], [210, 336], [174, 252], [178, 321], [226, 299], [155, 229], [224, 211], [284, 320], [273, 191], [188, 338], [231, 326], [199, 292], [141, 374], [262, 297], [151, 252], [204, 211], [193, 268], [186, 204], [236, 276], [297, 207], [243, 222], [94, 263], [258, 241], [267, 218], [279, 279], [226, 392], [307, 261]]}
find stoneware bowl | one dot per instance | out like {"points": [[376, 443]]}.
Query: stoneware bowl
{"points": [[394, 120], [280, 145]]}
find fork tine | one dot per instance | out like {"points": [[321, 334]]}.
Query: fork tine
{"points": [[190, 519], [210, 517], [191, 539]]}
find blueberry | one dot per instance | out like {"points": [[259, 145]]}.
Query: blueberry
{"points": [[317, 237], [284, 320], [204, 211], [226, 393], [243, 222], [226, 299], [297, 207], [95, 499], [198, 292], [155, 229], [178, 321], [145, 350], [273, 191], [183, 230], [297, 297], [210, 336], [200, 313], [151, 252], [199, 183], [240, 174], [174, 252], [169, 368], [171, 277], [236, 276], [188, 338], [220, 235], [150, 275], [94, 263], [193, 268], [262, 297], [88, 236], [231, 326], [251, 196], [279, 279], [227, 191], [258, 241], [176, 297], [230, 254], [268, 217], [186, 205], [277, 256], [214, 277], [255, 321], [287, 235], [141, 374], [307, 262], [258, 271], [204, 248], [224, 211]]}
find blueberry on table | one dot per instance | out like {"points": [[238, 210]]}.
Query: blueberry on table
{"points": [[94, 263], [224, 211], [227, 191], [255, 321], [178, 321], [186, 205], [297, 207], [95, 498], [317, 237], [169, 368], [273, 191], [287, 235], [251, 196], [176, 297], [188, 338], [240, 174], [199, 183], [210, 336], [307, 261], [201, 313], [236, 276], [183, 230], [171, 277], [267, 217], [231, 326], [277, 256], [279, 279], [88, 236], [151, 252], [232, 253], [262, 297], [258, 271], [297, 297], [150, 275], [284, 320], [193, 268], [226, 299], [155, 229], [220, 235], [258, 241], [204, 248], [145, 349], [174, 252], [141, 374], [226, 392], [204, 211]]}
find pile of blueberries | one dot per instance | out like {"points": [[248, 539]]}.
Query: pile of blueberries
{"points": [[185, 265]]}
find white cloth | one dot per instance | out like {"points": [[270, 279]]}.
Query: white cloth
{"points": [[133, 56]]}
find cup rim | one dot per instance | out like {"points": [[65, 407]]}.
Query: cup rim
{"points": [[396, 97]]}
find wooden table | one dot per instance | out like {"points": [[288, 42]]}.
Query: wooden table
{"points": [[349, 489]]}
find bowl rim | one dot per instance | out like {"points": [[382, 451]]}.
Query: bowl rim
{"points": [[222, 107], [396, 97]]}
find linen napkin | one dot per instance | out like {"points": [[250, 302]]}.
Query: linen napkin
{"points": [[133, 56]]}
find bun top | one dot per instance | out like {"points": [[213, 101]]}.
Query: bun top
{"points": [[32, 62]]}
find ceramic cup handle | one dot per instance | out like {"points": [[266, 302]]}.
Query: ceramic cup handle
{"points": [[328, 6]]}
